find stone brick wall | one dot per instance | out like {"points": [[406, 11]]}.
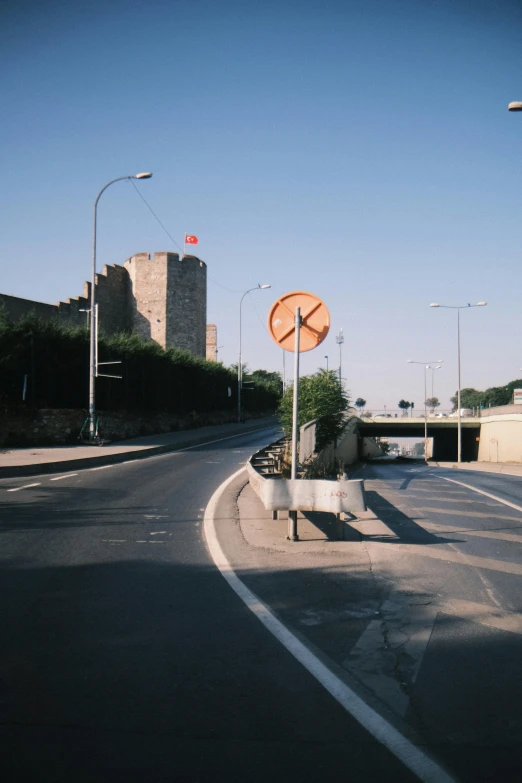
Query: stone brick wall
{"points": [[16, 308], [163, 298], [187, 304], [111, 296], [211, 343]]}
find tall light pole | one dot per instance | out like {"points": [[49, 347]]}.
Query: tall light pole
{"points": [[458, 308], [92, 361], [340, 340], [239, 363], [426, 367], [326, 357], [432, 376]]}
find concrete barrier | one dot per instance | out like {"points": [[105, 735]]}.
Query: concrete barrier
{"points": [[278, 494]]}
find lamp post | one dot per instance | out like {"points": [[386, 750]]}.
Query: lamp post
{"points": [[340, 340], [326, 357], [426, 367], [432, 376], [239, 364], [93, 326], [458, 308]]}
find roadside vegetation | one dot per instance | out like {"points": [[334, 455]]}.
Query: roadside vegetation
{"points": [[48, 362], [496, 395], [321, 396]]}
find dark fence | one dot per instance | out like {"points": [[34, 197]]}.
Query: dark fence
{"points": [[49, 364]]}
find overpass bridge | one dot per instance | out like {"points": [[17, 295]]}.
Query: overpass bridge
{"points": [[443, 432], [494, 436]]}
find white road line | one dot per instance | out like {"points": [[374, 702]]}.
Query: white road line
{"points": [[481, 492], [26, 486], [69, 475], [103, 467], [410, 755]]}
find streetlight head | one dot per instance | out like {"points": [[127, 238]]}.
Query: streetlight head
{"points": [[143, 175], [264, 286], [409, 361], [481, 304], [515, 106], [434, 304]]}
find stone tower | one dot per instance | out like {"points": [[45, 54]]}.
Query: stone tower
{"points": [[167, 300]]}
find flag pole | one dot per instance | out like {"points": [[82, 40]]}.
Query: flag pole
{"points": [[184, 245]]}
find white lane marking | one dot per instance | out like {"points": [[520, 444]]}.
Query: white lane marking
{"points": [[26, 486], [481, 492], [413, 758], [114, 540], [69, 475], [158, 533], [103, 467]]}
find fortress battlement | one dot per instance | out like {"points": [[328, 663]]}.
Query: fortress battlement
{"points": [[162, 297]]}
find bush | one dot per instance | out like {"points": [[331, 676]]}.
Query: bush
{"points": [[55, 358], [321, 396]]}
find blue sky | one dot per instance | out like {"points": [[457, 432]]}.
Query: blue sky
{"points": [[360, 150]]}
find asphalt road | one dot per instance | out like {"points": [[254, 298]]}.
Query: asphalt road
{"points": [[420, 610], [126, 656]]}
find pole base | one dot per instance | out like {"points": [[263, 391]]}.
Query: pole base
{"points": [[292, 538]]}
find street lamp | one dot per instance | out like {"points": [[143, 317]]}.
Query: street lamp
{"points": [[93, 362], [239, 367], [340, 340], [326, 357], [515, 106], [432, 376], [458, 308], [426, 367]]}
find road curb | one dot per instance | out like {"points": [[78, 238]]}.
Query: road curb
{"points": [[36, 469]]}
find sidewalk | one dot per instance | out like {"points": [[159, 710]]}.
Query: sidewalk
{"points": [[507, 468], [53, 459]]}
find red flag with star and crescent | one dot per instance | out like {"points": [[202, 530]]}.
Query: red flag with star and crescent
{"points": [[190, 239]]}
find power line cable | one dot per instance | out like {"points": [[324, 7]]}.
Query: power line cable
{"points": [[172, 238]]}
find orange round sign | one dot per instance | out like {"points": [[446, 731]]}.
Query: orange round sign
{"points": [[315, 321]]}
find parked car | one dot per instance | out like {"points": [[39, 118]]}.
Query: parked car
{"points": [[383, 416], [441, 415], [463, 413]]}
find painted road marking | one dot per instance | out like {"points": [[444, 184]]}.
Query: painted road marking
{"points": [[102, 467], [481, 492], [410, 755], [69, 475], [26, 486]]}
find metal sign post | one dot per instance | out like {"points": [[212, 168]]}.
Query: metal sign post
{"points": [[292, 515], [307, 317]]}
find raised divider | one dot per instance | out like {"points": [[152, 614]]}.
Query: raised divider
{"points": [[278, 494]]}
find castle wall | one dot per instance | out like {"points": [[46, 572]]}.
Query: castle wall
{"points": [[187, 304], [147, 296], [163, 298], [211, 343], [111, 296], [16, 308]]}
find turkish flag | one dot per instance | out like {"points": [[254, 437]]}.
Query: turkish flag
{"points": [[190, 239]]}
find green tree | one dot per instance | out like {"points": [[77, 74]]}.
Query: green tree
{"points": [[432, 403], [404, 405], [321, 396], [272, 380], [360, 403]]}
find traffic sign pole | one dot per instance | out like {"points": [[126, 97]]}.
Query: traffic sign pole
{"points": [[292, 515]]}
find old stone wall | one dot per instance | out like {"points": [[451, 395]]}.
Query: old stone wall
{"points": [[111, 296], [55, 427], [212, 343], [16, 308], [187, 304], [163, 298]]}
